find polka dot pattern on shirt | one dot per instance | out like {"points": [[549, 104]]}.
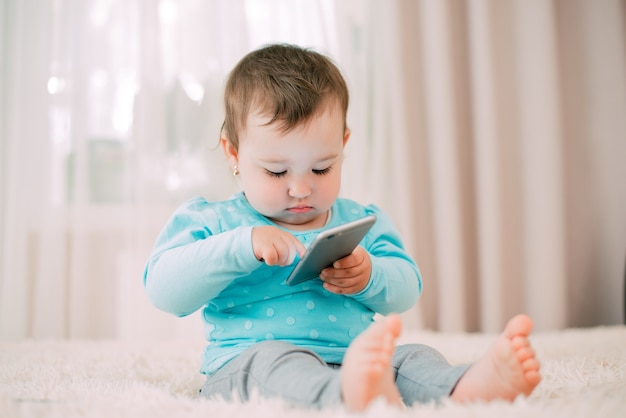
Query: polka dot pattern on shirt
{"points": [[318, 316]]}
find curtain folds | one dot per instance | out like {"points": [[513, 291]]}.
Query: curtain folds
{"points": [[492, 132], [495, 139], [519, 194]]}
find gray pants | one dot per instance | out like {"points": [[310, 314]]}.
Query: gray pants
{"points": [[275, 369]]}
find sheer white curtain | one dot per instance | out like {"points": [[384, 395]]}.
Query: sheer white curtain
{"points": [[492, 132], [111, 116]]}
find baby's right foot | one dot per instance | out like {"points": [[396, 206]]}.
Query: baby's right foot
{"points": [[507, 370], [366, 372]]}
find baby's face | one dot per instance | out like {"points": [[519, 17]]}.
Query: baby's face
{"points": [[293, 178]]}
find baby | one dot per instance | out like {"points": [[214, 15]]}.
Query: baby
{"points": [[315, 343]]}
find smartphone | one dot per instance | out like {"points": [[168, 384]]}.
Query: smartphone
{"points": [[329, 246]]}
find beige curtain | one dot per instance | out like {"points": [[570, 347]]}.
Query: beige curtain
{"points": [[503, 156]]}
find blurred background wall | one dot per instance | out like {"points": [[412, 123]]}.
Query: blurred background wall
{"points": [[493, 132]]}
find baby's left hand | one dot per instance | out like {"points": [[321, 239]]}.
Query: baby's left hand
{"points": [[349, 275]]}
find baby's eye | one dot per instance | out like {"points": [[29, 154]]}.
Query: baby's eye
{"points": [[275, 174], [323, 171]]}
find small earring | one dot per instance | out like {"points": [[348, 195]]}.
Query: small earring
{"points": [[236, 170]]}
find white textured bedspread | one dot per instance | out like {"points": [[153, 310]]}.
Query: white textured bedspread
{"points": [[584, 375]]}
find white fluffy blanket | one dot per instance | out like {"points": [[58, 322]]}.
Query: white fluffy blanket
{"points": [[584, 374]]}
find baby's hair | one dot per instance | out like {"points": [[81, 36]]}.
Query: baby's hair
{"points": [[287, 83]]}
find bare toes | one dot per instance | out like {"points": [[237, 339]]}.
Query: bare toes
{"points": [[520, 325], [531, 364], [524, 354], [519, 342], [533, 378]]}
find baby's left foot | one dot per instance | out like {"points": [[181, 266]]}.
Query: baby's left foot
{"points": [[366, 373], [507, 370]]}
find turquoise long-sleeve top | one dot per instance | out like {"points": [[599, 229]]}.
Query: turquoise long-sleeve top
{"points": [[203, 259]]}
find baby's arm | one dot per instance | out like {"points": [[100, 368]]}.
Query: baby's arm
{"points": [[195, 258], [183, 277], [394, 286], [395, 282]]}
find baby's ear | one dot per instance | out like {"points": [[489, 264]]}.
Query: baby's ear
{"points": [[346, 136], [230, 151]]}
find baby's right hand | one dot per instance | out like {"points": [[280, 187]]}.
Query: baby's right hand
{"points": [[275, 246]]}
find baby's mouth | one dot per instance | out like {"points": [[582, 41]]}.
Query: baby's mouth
{"points": [[300, 209]]}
